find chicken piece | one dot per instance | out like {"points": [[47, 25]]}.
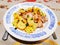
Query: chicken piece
{"points": [[40, 24], [21, 25], [35, 16], [24, 16], [36, 20], [43, 19], [30, 14], [27, 15], [46, 19]]}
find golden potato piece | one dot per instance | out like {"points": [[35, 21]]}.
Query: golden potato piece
{"points": [[29, 9], [22, 11], [42, 13], [21, 25], [35, 25], [30, 22], [20, 18], [15, 22], [29, 29], [16, 15], [36, 9]]}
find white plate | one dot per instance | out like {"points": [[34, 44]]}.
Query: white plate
{"points": [[39, 34]]}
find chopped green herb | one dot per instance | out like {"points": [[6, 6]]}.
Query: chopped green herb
{"points": [[27, 16], [31, 18], [17, 21], [27, 24]]}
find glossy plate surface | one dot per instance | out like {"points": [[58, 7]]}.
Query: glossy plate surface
{"points": [[39, 34]]}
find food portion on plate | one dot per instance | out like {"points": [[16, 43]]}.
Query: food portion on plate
{"points": [[29, 19]]}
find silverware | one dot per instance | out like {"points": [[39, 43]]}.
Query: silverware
{"points": [[5, 36], [54, 36]]}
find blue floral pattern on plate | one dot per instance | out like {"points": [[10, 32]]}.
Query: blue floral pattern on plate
{"points": [[52, 18], [26, 35]]}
